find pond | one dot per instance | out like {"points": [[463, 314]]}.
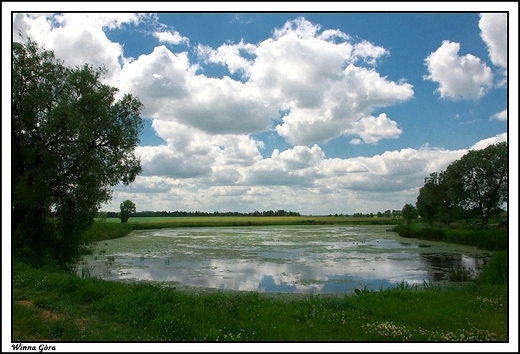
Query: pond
{"points": [[295, 259]]}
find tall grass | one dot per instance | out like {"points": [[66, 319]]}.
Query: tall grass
{"points": [[495, 272], [492, 239]]}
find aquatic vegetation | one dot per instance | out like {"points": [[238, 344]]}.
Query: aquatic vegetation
{"points": [[306, 259]]}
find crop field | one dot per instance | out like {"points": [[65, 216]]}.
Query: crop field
{"points": [[254, 220]]}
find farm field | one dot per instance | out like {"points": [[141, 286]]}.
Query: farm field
{"points": [[254, 220]]}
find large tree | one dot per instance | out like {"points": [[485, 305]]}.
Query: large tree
{"points": [[71, 141], [479, 180]]}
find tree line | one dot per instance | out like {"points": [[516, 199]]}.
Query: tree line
{"points": [[177, 213]]}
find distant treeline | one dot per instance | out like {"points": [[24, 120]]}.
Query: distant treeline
{"points": [[111, 214]]}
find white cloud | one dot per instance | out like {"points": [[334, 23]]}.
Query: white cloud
{"points": [[229, 55], [300, 179], [78, 38], [156, 77], [310, 74], [500, 115], [459, 77], [170, 89], [172, 37], [163, 161], [493, 28], [356, 92], [482, 144], [98, 20], [373, 129]]}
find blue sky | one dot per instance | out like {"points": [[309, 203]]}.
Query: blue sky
{"points": [[336, 112]]}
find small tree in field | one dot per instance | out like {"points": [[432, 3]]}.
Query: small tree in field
{"points": [[127, 208], [409, 212]]}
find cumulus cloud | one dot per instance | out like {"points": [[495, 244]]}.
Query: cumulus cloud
{"points": [[171, 90], [459, 77], [163, 161], [230, 55], [493, 27], [373, 129], [317, 76], [344, 107], [313, 76]]}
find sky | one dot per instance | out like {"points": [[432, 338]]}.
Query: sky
{"points": [[315, 112]]}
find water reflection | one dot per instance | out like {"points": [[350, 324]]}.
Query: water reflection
{"points": [[312, 259]]}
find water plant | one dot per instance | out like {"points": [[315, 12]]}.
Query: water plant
{"points": [[460, 274]]}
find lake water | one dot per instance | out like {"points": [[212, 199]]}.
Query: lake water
{"points": [[299, 259]]}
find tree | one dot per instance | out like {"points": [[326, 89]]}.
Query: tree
{"points": [[409, 212], [434, 202], [70, 143], [127, 208], [479, 180]]}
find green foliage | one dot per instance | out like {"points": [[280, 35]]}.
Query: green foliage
{"points": [[70, 143], [409, 213], [434, 202], [481, 180], [127, 208], [476, 184], [493, 239]]}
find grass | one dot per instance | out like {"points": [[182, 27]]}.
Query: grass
{"points": [[56, 306]]}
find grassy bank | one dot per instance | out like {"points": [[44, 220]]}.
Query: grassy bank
{"points": [[492, 239], [56, 306]]}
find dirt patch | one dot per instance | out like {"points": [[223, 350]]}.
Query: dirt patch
{"points": [[25, 303], [82, 324], [46, 314]]}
